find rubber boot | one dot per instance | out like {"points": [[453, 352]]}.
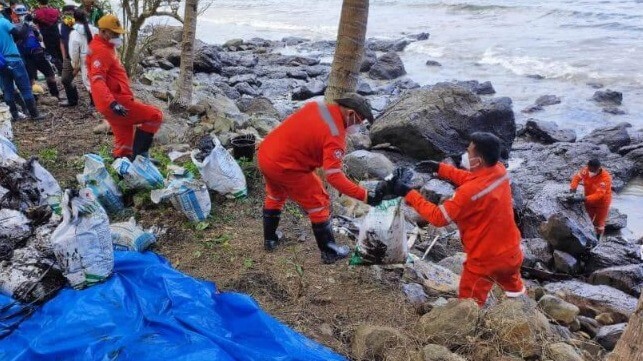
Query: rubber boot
{"points": [[331, 252], [15, 114], [271, 237], [142, 143], [21, 102], [33, 110], [72, 96], [53, 88]]}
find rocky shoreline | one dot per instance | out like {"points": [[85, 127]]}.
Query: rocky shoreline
{"points": [[586, 288]]}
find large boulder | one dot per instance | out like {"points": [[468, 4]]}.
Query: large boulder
{"points": [[566, 263], [569, 233], [546, 132], [559, 310], [258, 105], [163, 36], [386, 45], [454, 263], [608, 97], [636, 156], [362, 164], [608, 336], [561, 351], [433, 352], [374, 342], [536, 251], [309, 90], [173, 55], [613, 251], [628, 279], [615, 220], [369, 58], [594, 299], [435, 123], [437, 280], [207, 60], [485, 88], [451, 324], [518, 328], [614, 136], [388, 66]]}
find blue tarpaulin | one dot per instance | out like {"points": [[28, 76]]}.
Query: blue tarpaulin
{"points": [[149, 311]]}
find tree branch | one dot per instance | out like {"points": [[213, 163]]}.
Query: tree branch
{"points": [[172, 15]]}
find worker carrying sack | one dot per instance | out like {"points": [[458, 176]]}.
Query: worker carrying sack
{"points": [[219, 170]]}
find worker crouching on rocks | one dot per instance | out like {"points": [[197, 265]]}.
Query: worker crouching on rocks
{"points": [[483, 212], [133, 123], [311, 138], [597, 184]]}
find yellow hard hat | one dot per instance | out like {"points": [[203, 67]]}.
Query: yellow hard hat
{"points": [[37, 89]]}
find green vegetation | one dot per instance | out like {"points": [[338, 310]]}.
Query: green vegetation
{"points": [[48, 156]]}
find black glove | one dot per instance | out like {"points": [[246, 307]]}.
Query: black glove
{"points": [[374, 197], [572, 190], [118, 109], [427, 166], [577, 198], [402, 181]]}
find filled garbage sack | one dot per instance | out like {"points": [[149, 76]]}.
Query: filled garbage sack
{"points": [[5, 123], [96, 177], [29, 276], [127, 236], [14, 228], [218, 169], [8, 152], [149, 311], [187, 195], [50, 191], [26, 184], [382, 235], [139, 174], [82, 242]]}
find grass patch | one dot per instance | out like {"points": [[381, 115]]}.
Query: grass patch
{"points": [[48, 156]]}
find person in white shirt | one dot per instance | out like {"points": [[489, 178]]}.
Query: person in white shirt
{"points": [[79, 40]]}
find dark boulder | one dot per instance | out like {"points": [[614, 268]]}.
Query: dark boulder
{"points": [[476, 87], [165, 65], [309, 90], [569, 233], [388, 66], [614, 137], [368, 59], [566, 263], [435, 123], [433, 63], [613, 251], [364, 89], [259, 105], [607, 336], [628, 279], [384, 45], [297, 74], [536, 252], [437, 191], [293, 40], [546, 100], [636, 156], [615, 220], [608, 97], [419, 36], [231, 71], [172, 55], [207, 60], [532, 109], [246, 89], [546, 132], [244, 78], [317, 70], [614, 110]]}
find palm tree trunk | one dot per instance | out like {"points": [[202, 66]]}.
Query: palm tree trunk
{"points": [[184, 82], [350, 49], [630, 345]]}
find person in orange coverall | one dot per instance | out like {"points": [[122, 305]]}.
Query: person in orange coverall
{"points": [[597, 183], [311, 138], [482, 209], [133, 123]]}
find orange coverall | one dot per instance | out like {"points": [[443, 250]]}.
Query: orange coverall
{"points": [[482, 209], [311, 138], [598, 195], [109, 82]]}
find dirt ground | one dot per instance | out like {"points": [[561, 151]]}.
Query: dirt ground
{"points": [[324, 302]]}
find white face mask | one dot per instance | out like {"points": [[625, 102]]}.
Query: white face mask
{"points": [[592, 174], [466, 162], [117, 42]]}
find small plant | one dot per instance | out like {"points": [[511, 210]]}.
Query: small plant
{"points": [[294, 210], [247, 262], [250, 169], [163, 159], [48, 155]]}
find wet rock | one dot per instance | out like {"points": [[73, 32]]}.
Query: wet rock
{"points": [[476, 87], [437, 191], [309, 90], [207, 60], [294, 40], [415, 295], [566, 263], [232, 43], [568, 234], [613, 251], [636, 156], [546, 132], [364, 89], [595, 85], [317, 70], [454, 263], [383, 45], [589, 325], [362, 164], [614, 110], [246, 89], [615, 220], [231, 71], [558, 309], [532, 109], [561, 351], [436, 279], [450, 325], [373, 342], [369, 58], [432, 63], [614, 137], [518, 327], [594, 299], [297, 74], [628, 279], [264, 124], [419, 36], [434, 123], [546, 100], [608, 96], [244, 78], [388, 66], [358, 141], [536, 251], [165, 65], [171, 55], [258, 105], [607, 336], [439, 353]]}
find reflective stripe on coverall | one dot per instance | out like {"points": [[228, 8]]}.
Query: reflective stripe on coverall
{"points": [[109, 82], [311, 138], [598, 195], [482, 209]]}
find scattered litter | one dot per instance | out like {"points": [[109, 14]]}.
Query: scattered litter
{"points": [[219, 170], [140, 174], [186, 194], [175, 154], [128, 236], [82, 242], [96, 178], [5, 123], [382, 236]]}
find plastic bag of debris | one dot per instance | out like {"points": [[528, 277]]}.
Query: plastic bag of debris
{"points": [[186, 194], [50, 192], [218, 169], [82, 243], [96, 178], [29, 276], [14, 229], [127, 236], [8, 152], [139, 174], [382, 236], [5, 123]]}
